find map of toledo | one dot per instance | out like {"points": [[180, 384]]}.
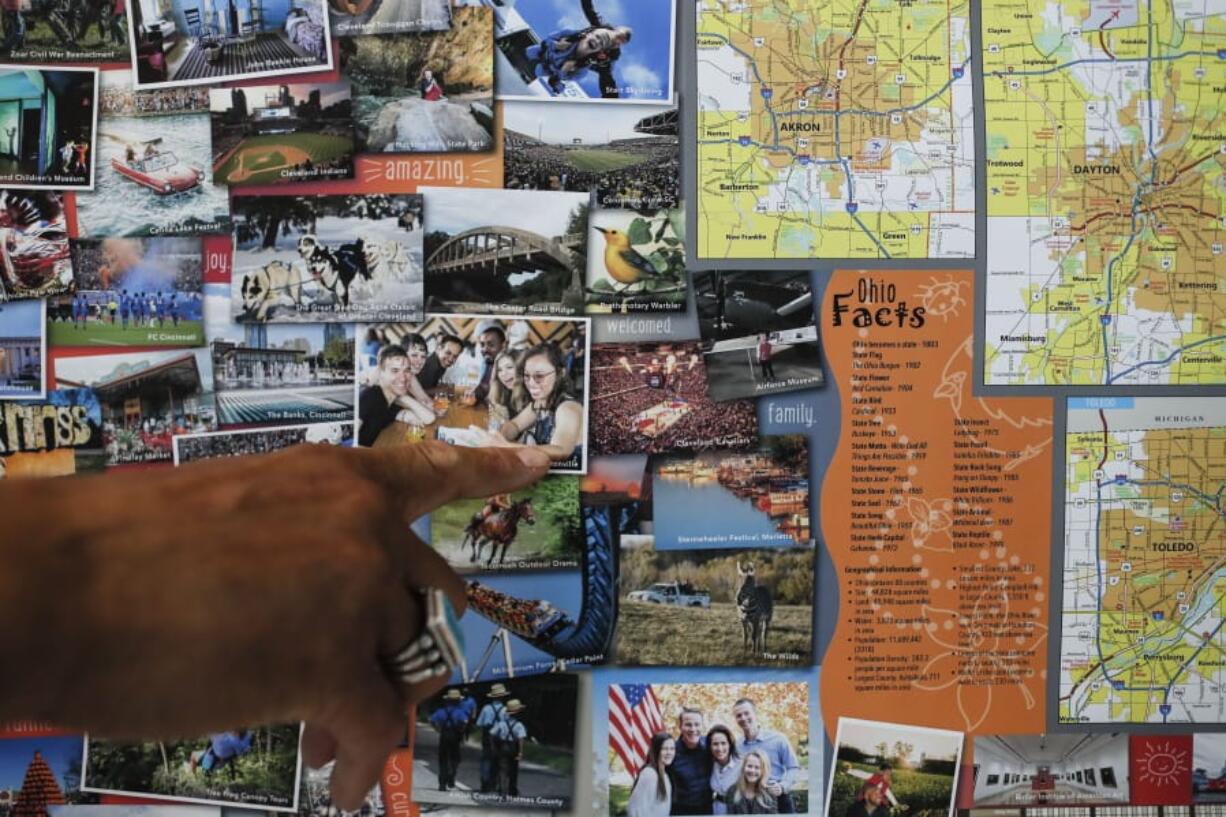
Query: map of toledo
{"points": [[835, 129], [1106, 143], [1145, 562]]}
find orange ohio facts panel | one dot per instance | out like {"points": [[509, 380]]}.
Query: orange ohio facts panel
{"points": [[939, 519]]}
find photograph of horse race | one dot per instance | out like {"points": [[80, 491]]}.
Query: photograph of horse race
{"points": [[255, 768], [717, 607], [537, 528], [278, 134], [319, 259]]}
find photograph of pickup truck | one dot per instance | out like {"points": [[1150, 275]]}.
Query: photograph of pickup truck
{"points": [[715, 607]]}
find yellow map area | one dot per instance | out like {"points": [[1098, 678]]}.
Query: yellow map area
{"points": [[834, 128], [1142, 633], [1106, 144]]}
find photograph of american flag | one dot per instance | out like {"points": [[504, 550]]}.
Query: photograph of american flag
{"points": [[634, 716]]}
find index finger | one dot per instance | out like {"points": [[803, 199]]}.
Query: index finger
{"points": [[428, 474]]}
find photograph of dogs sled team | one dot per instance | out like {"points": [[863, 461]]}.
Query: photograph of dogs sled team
{"points": [[311, 259]]}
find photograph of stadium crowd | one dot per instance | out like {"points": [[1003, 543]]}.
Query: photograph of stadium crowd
{"points": [[505, 251], [630, 156], [132, 292], [154, 172], [650, 398], [213, 444], [636, 262], [274, 134], [431, 92], [47, 123], [477, 381]]}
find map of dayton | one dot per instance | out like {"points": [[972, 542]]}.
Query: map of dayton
{"points": [[835, 129], [1144, 582], [1106, 143]]}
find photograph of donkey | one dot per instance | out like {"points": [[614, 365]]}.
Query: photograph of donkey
{"points": [[755, 607], [758, 608]]}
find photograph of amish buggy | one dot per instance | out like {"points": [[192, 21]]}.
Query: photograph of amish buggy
{"points": [[35, 255], [507, 743], [1023, 771], [426, 92], [23, 350], [41, 770], [716, 607], [312, 259], [60, 434], [759, 333], [636, 262], [154, 172], [630, 156], [356, 17], [195, 42], [584, 49], [507, 251], [132, 292], [257, 768], [279, 134], [650, 398], [270, 374], [477, 381], [146, 399], [887, 768], [58, 31], [536, 528], [730, 747], [47, 122], [734, 499]]}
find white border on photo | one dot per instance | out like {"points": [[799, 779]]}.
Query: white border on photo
{"points": [[171, 798], [358, 368], [902, 728], [670, 90], [41, 394], [341, 28], [93, 132], [241, 432], [322, 68]]}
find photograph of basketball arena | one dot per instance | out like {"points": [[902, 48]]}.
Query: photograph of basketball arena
{"points": [[631, 156], [293, 132], [649, 398]]}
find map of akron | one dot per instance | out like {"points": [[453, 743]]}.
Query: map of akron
{"points": [[835, 129], [1106, 202], [1144, 562]]}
